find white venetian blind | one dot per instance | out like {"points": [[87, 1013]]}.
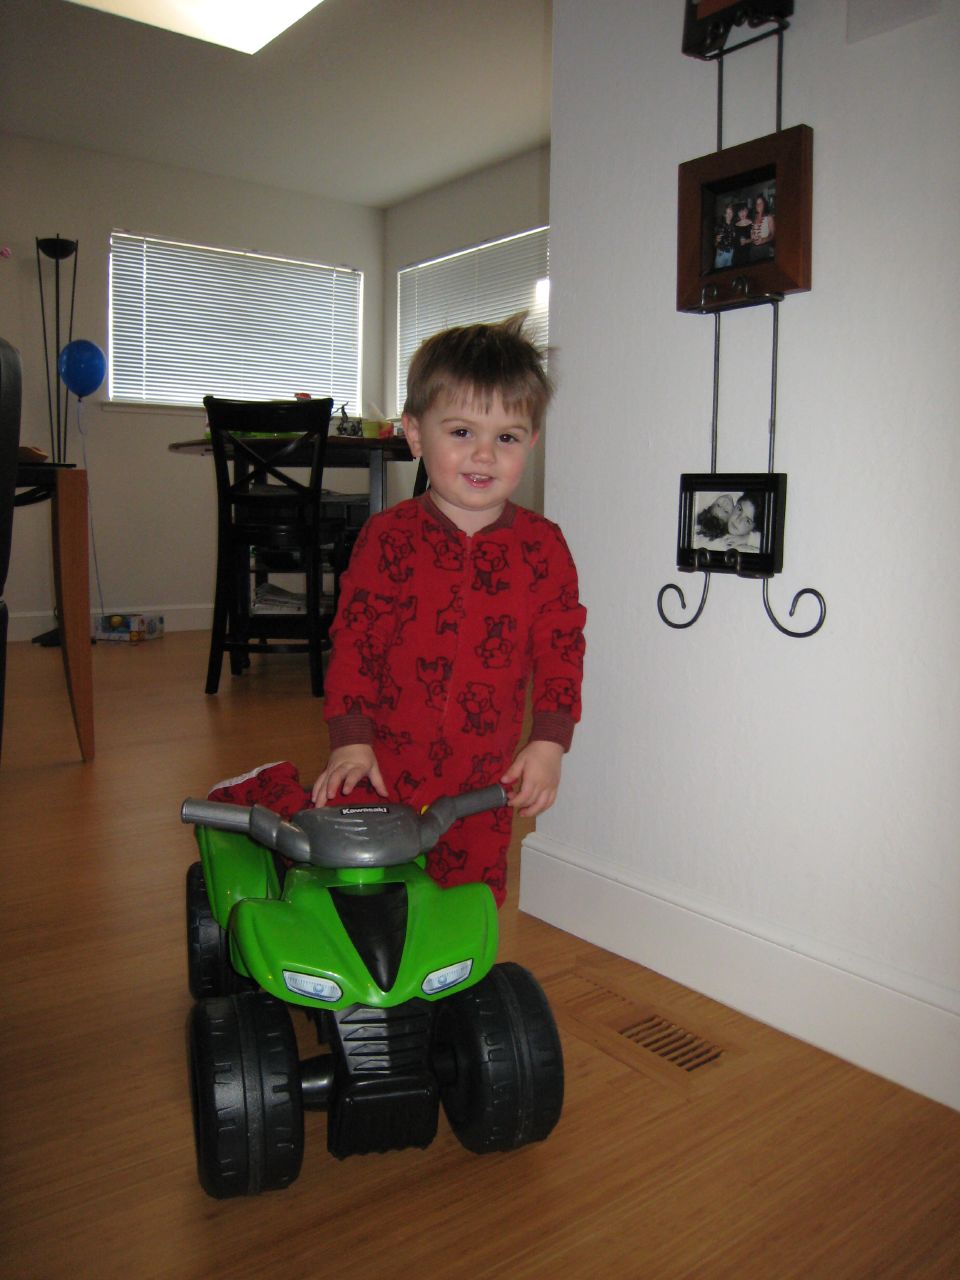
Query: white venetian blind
{"points": [[486, 283], [188, 320]]}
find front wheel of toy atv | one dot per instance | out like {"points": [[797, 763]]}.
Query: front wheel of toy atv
{"points": [[247, 1103], [499, 1063], [209, 970]]}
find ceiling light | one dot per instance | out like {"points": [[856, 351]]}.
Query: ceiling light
{"points": [[245, 25]]}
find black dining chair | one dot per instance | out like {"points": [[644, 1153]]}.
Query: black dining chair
{"points": [[270, 520]]}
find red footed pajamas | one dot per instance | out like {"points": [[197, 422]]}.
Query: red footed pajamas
{"points": [[436, 641]]}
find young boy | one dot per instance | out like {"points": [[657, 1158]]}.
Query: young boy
{"points": [[454, 602]]}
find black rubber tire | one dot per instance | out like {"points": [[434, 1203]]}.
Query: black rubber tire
{"points": [[499, 1062], [209, 971], [245, 1089]]}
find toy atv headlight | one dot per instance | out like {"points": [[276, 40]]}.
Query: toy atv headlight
{"points": [[306, 984], [449, 976]]}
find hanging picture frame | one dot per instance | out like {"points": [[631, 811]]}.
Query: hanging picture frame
{"points": [[744, 223], [708, 23], [732, 523]]}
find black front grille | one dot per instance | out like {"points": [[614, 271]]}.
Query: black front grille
{"points": [[375, 1041]]}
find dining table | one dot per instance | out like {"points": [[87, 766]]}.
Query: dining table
{"points": [[345, 451]]}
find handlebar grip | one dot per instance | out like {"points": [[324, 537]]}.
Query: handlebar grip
{"points": [[216, 813], [443, 813], [260, 824], [471, 802]]}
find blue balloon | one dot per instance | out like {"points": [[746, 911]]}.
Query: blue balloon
{"points": [[82, 365]]}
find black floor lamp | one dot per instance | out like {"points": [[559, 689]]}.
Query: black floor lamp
{"points": [[58, 251]]}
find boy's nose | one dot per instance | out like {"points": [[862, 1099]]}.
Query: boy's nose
{"points": [[483, 449]]}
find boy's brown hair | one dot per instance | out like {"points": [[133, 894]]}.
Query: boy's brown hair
{"points": [[478, 361]]}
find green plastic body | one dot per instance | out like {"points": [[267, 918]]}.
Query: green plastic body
{"points": [[299, 930]]}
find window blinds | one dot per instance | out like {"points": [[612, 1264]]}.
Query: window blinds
{"points": [[187, 321], [485, 283]]}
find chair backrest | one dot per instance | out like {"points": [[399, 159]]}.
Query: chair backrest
{"points": [[421, 482], [268, 442], [10, 376]]}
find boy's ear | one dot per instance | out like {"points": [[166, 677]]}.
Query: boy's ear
{"points": [[411, 429]]}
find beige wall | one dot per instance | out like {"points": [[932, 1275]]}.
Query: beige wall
{"points": [[153, 512]]}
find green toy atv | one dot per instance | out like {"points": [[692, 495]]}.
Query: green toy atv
{"points": [[333, 913]]}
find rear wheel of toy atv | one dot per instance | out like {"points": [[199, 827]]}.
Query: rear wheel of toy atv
{"points": [[499, 1062], [209, 970], [247, 1105]]}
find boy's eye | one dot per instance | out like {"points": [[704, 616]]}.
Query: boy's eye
{"points": [[507, 438], [460, 432]]}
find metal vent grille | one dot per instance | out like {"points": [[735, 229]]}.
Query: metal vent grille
{"points": [[668, 1041], [603, 1011]]}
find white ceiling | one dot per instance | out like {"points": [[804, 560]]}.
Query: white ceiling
{"points": [[369, 101]]}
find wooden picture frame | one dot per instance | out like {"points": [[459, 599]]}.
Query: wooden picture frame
{"points": [[708, 23], [732, 523], [776, 171]]}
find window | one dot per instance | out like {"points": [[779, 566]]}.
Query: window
{"points": [[187, 321], [486, 283]]}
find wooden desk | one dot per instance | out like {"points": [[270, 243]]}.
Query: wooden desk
{"points": [[342, 451], [67, 487]]}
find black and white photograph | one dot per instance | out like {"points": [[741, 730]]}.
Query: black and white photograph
{"points": [[728, 521], [732, 523]]}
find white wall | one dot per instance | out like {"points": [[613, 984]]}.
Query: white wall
{"points": [[153, 511], [772, 821], [501, 200]]}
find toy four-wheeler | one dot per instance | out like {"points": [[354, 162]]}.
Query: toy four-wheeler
{"points": [[333, 912]]}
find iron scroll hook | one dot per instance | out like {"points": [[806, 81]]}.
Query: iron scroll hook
{"points": [[672, 586], [804, 591]]}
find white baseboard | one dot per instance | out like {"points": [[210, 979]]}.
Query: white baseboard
{"points": [[181, 617], [910, 1038]]}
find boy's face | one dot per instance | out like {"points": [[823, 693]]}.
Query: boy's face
{"points": [[474, 455]]}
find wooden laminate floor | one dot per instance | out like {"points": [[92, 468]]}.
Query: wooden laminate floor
{"points": [[694, 1143]]}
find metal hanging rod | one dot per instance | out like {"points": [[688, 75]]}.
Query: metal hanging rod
{"points": [[736, 561], [718, 59], [774, 302]]}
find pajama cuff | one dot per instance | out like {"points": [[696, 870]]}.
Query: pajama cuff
{"points": [[552, 726], [346, 730]]}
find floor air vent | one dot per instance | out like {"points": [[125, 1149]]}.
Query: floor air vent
{"points": [[681, 1048], [603, 1012]]}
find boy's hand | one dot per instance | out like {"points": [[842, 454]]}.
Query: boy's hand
{"points": [[345, 768], [536, 773]]}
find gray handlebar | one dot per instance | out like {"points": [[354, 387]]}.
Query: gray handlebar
{"points": [[260, 824], [215, 813], [443, 813], [346, 836]]}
